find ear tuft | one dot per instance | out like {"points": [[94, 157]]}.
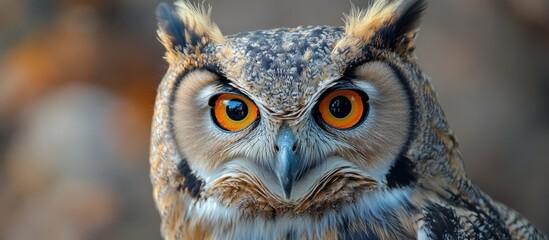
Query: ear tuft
{"points": [[400, 35], [187, 27], [363, 23], [387, 24]]}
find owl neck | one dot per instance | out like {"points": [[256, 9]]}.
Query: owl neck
{"points": [[387, 214]]}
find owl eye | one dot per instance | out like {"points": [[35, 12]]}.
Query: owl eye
{"points": [[233, 112], [343, 109]]}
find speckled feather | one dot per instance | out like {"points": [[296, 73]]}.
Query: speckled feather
{"points": [[425, 194], [284, 65]]}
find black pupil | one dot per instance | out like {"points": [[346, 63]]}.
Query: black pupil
{"points": [[236, 109], [340, 107]]}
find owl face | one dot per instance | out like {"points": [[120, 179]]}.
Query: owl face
{"points": [[351, 128], [288, 121]]}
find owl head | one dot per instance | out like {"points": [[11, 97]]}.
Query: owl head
{"points": [[294, 122]]}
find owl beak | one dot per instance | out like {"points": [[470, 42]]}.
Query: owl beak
{"points": [[286, 157]]}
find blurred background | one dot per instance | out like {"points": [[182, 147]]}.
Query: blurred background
{"points": [[78, 80]]}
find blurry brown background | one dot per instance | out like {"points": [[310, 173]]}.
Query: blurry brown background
{"points": [[78, 80]]}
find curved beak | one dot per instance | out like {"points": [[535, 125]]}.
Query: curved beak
{"points": [[286, 159]]}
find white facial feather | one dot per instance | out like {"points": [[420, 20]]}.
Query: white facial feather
{"points": [[369, 206]]}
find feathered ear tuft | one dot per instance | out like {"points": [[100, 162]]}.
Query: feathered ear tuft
{"points": [[185, 29], [387, 24]]}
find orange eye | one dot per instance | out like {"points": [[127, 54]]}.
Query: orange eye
{"points": [[343, 109], [233, 112]]}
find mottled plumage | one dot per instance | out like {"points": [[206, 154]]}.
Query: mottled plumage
{"points": [[396, 173]]}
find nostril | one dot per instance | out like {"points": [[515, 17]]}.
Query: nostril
{"points": [[276, 148], [294, 147]]}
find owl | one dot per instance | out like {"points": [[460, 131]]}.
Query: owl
{"points": [[313, 132]]}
